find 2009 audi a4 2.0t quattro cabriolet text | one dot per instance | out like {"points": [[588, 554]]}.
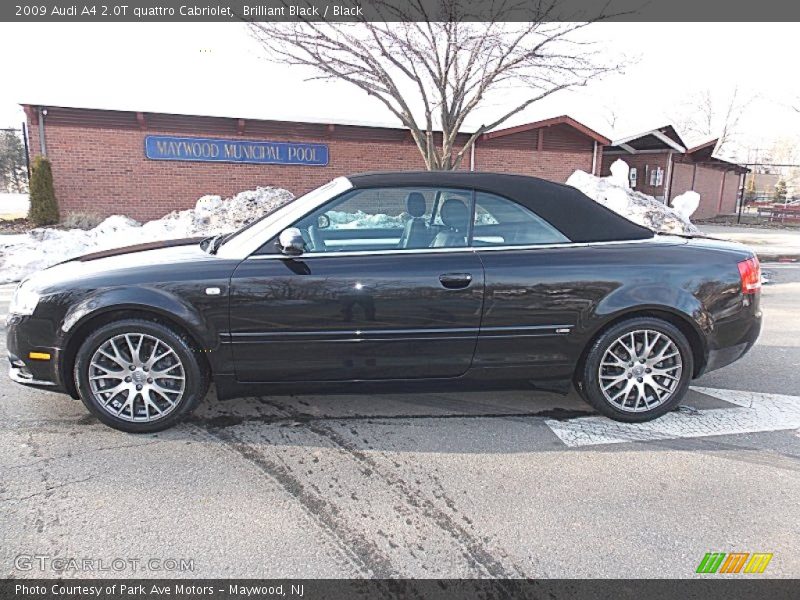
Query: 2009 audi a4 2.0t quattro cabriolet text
{"points": [[438, 278]]}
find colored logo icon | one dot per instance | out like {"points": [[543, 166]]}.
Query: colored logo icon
{"points": [[734, 562]]}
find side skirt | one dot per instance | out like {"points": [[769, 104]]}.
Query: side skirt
{"points": [[228, 388]]}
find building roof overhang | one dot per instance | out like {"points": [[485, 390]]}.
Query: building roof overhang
{"points": [[106, 117], [662, 139], [703, 154], [560, 120]]}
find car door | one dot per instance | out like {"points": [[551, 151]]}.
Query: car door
{"points": [[365, 301], [538, 286]]}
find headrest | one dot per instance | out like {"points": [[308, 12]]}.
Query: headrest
{"points": [[455, 214], [415, 204]]}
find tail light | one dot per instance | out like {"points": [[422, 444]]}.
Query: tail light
{"points": [[750, 273]]}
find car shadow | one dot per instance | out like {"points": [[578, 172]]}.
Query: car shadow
{"points": [[508, 421], [471, 422]]}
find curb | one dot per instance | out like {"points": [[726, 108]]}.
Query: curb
{"points": [[781, 258]]}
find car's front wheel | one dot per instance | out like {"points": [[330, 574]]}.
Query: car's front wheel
{"points": [[139, 376], [637, 370]]}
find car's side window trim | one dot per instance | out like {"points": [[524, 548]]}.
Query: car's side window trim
{"points": [[363, 253], [341, 198], [461, 249], [471, 224], [434, 208]]}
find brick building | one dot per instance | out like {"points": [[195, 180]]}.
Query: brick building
{"points": [[663, 166], [148, 164]]}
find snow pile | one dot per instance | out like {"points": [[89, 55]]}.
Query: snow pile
{"points": [[614, 193], [21, 255], [686, 203], [360, 219]]}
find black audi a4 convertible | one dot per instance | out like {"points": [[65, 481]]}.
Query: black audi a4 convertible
{"points": [[392, 280]]}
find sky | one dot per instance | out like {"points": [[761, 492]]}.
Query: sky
{"points": [[218, 69]]}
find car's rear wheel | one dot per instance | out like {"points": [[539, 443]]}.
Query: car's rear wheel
{"points": [[139, 376], [637, 370]]}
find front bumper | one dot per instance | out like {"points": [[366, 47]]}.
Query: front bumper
{"points": [[27, 335]]}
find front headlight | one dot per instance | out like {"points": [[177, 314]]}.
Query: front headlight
{"points": [[24, 300]]}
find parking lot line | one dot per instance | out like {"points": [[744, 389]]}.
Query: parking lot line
{"points": [[753, 412]]}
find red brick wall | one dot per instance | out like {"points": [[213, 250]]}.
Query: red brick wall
{"points": [[643, 164], [681, 179], [563, 150], [708, 182], [104, 171], [101, 167], [730, 193]]}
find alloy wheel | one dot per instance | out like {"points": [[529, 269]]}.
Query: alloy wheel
{"points": [[640, 370], [137, 377]]}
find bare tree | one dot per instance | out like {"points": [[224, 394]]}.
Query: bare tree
{"points": [[432, 76], [611, 116], [705, 116]]}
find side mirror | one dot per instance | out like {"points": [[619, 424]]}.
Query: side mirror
{"points": [[291, 241], [323, 221]]}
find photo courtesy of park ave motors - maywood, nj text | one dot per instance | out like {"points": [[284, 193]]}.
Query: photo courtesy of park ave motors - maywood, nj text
{"points": [[432, 299]]}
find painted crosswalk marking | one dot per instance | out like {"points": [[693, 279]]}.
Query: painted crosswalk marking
{"points": [[752, 412]]}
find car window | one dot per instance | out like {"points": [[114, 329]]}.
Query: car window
{"points": [[389, 218], [503, 222]]}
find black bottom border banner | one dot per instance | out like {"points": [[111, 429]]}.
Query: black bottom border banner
{"points": [[727, 588]]}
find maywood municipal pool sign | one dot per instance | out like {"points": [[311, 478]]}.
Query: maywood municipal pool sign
{"points": [[165, 147]]}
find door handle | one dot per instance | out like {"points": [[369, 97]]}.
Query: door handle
{"points": [[455, 281]]}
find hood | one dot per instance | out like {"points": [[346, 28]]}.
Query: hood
{"points": [[137, 248], [140, 262]]}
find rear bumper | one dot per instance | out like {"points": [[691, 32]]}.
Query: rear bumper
{"points": [[26, 335], [725, 356], [732, 338]]}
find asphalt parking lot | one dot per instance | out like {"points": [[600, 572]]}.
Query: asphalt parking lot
{"points": [[501, 484]]}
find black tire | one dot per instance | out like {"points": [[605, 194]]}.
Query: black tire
{"points": [[195, 378], [589, 377]]}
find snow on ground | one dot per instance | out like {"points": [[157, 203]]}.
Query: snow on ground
{"points": [[359, 219], [23, 254], [13, 206], [614, 192]]}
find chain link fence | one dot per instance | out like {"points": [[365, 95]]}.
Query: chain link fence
{"points": [[773, 202]]}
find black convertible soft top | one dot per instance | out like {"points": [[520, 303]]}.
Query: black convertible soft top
{"points": [[573, 213]]}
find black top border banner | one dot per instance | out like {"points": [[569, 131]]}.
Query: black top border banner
{"points": [[108, 11]]}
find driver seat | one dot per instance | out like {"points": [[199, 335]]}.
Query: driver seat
{"points": [[415, 233], [455, 216]]}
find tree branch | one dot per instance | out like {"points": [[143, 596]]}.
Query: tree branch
{"points": [[433, 75]]}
